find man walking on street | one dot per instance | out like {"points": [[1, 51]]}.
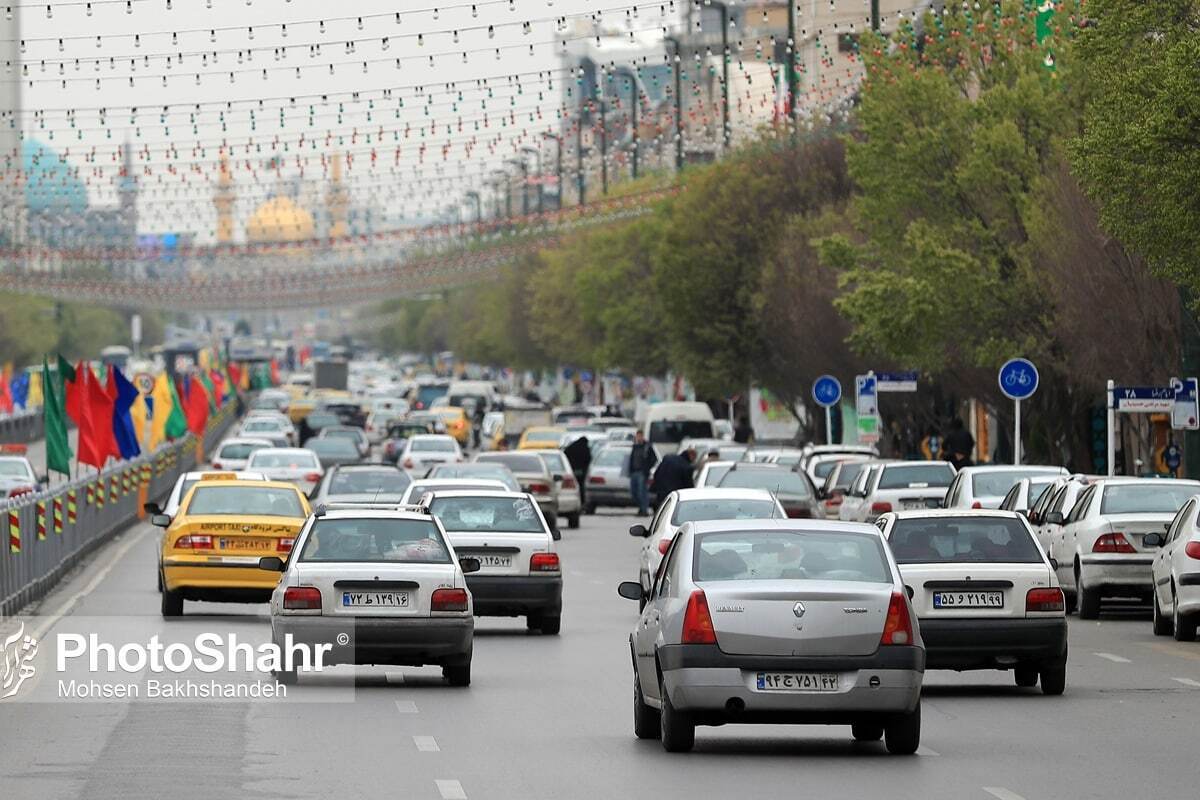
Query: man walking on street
{"points": [[642, 459], [675, 472]]}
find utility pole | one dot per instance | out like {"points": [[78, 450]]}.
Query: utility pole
{"points": [[579, 182], [558, 169], [725, 70], [875, 15], [793, 89], [678, 102], [635, 96]]}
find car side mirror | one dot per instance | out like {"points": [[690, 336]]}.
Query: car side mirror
{"points": [[1153, 540], [639, 530], [152, 508], [910, 591], [1054, 563], [271, 563], [630, 590], [556, 534], [160, 520], [469, 565], [1055, 518]]}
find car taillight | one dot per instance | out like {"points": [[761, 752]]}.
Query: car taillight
{"points": [[898, 627], [539, 488], [1113, 543], [216, 465], [664, 545], [880, 507], [1043, 600], [313, 477], [284, 545], [798, 512], [408, 463], [569, 483], [1192, 549], [697, 622], [449, 600], [977, 504], [598, 480], [544, 562], [194, 541], [302, 598]]}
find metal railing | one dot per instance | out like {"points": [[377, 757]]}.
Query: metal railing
{"points": [[48, 532]]}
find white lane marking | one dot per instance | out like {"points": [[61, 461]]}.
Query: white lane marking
{"points": [[1187, 682], [135, 535], [426, 744], [1114, 658], [927, 751], [406, 707], [451, 790], [1000, 793], [395, 677]]}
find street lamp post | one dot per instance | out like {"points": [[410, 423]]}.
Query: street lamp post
{"points": [[558, 169], [875, 15], [791, 63], [635, 96], [537, 153], [678, 102], [579, 180], [725, 67]]}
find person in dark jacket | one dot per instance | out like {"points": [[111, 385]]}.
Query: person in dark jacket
{"points": [[579, 456], [642, 459], [675, 472], [743, 433], [958, 444]]}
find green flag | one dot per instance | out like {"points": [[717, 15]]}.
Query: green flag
{"points": [[65, 373], [54, 415], [212, 391], [176, 421]]}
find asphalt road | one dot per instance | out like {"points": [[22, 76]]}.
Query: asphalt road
{"points": [[550, 717]]}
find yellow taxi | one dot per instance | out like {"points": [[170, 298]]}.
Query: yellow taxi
{"points": [[457, 423], [540, 437], [211, 548]]}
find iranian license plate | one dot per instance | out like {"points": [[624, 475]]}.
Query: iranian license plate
{"points": [[248, 544], [493, 561], [797, 681], [968, 599], [375, 599]]}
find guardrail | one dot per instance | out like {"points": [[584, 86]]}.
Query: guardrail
{"points": [[27, 426], [46, 533]]}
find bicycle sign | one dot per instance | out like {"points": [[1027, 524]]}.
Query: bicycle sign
{"points": [[827, 391], [1018, 379]]}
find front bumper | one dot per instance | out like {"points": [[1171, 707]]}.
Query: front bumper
{"points": [[716, 688], [993, 643], [374, 640], [1116, 570], [515, 595]]}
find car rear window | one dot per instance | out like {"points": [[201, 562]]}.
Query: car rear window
{"points": [[1145, 498], [264, 501], [361, 481], [239, 450], [779, 481], [516, 462], [723, 508], [714, 475], [555, 462], [914, 476], [261, 459], [674, 431], [431, 446], [1037, 489], [341, 434], [333, 446], [789, 555], [375, 540], [996, 484], [491, 514], [950, 540], [611, 457], [263, 425], [848, 473], [543, 436]]}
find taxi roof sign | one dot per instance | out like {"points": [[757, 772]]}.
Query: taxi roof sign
{"points": [[14, 449], [219, 476]]}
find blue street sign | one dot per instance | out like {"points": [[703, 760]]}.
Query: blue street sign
{"points": [[1018, 379], [826, 391], [1143, 399], [896, 381]]}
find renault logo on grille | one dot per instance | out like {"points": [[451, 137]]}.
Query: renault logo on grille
{"points": [[798, 609]]}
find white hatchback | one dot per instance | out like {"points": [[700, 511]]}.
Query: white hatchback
{"points": [[985, 486]]}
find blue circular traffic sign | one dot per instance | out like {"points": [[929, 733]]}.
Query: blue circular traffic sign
{"points": [[826, 391], [1018, 379]]}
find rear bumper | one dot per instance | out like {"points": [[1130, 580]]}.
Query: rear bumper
{"points": [[219, 581], [993, 643], [717, 688], [568, 502], [515, 595], [609, 495], [1116, 570], [400, 642]]}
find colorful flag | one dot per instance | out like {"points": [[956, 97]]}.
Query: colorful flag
{"points": [[66, 384], [96, 440], [196, 407], [58, 447], [20, 390], [138, 414], [209, 391], [123, 394], [6, 399], [167, 412]]}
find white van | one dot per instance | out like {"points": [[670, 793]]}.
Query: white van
{"points": [[476, 391], [667, 424]]}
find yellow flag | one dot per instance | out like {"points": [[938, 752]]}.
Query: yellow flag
{"points": [[205, 359], [161, 394], [35, 390], [138, 413]]}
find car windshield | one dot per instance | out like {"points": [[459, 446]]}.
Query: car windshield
{"points": [[375, 540], [14, 469], [332, 447], [239, 451], [723, 508], [269, 460], [778, 481], [676, 430], [945, 540], [490, 514], [790, 555], [1145, 498], [997, 483], [341, 434], [321, 420], [611, 457], [555, 462], [247, 501], [431, 446], [732, 452], [916, 476], [848, 473], [262, 425], [366, 481], [516, 462]]}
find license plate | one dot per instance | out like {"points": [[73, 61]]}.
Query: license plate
{"points": [[493, 561], [248, 544], [797, 681], [968, 599], [376, 599]]}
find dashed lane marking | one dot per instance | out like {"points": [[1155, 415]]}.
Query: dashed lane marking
{"points": [[451, 790], [406, 707], [1187, 682], [426, 744], [1000, 793], [1113, 658]]}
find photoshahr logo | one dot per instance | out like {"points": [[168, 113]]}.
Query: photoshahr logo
{"points": [[16, 662]]}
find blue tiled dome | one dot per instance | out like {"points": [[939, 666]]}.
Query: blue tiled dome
{"points": [[50, 182]]}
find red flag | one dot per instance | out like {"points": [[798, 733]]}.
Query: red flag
{"points": [[95, 410], [6, 402], [218, 382], [196, 407], [75, 392], [274, 372], [235, 375]]}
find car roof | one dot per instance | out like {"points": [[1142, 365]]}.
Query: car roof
{"points": [[1130, 480], [813, 525], [243, 440], [899, 463], [718, 492], [369, 466], [373, 513], [419, 482], [245, 475], [437, 436], [481, 493], [933, 513], [1035, 468], [288, 450], [252, 483]]}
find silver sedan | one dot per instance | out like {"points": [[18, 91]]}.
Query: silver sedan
{"points": [[777, 621]]}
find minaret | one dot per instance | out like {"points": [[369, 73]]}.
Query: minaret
{"points": [[336, 200], [223, 199]]}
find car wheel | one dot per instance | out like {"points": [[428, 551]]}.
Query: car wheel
{"points": [[1089, 600], [1162, 624], [902, 735], [645, 718], [676, 728], [1185, 627], [172, 604], [457, 674], [866, 732], [551, 625], [1054, 678], [573, 520], [1025, 676]]}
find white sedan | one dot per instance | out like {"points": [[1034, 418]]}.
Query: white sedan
{"points": [[1176, 572], [985, 486]]}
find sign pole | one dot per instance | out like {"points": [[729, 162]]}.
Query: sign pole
{"points": [[1017, 432], [828, 426], [1110, 424]]}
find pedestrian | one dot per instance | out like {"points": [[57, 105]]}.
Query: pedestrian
{"points": [[675, 472], [642, 459], [958, 444], [743, 433], [477, 425], [931, 445]]}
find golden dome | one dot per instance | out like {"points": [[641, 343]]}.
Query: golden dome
{"points": [[279, 220]]}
